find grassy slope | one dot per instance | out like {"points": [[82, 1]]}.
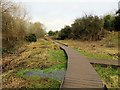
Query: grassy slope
{"points": [[41, 55]]}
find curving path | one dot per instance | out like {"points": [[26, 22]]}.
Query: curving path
{"points": [[80, 73]]}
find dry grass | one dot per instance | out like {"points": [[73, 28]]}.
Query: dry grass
{"points": [[107, 47], [32, 56]]}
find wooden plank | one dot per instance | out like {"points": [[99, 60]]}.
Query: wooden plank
{"points": [[80, 73], [114, 63]]}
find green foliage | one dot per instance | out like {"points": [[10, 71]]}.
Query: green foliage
{"points": [[117, 23], [56, 35], [91, 28], [109, 22], [86, 28], [31, 38], [65, 32], [51, 33], [112, 23]]}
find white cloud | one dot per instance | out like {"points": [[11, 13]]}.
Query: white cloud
{"points": [[54, 24]]}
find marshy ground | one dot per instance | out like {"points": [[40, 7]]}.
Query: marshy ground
{"points": [[25, 68], [42, 64]]}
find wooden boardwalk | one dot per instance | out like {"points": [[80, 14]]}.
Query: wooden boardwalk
{"points": [[80, 73], [113, 63]]}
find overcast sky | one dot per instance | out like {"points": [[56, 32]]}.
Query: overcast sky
{"points": [[55, 14]]}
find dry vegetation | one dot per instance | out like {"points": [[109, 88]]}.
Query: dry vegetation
{"points": [[107, 48], [16, 25], [30, 56]]}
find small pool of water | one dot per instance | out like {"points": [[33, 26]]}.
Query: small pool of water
{"points": [[57, 75]]}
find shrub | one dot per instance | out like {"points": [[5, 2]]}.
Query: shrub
{"points": [[85, 28], [31, 38], [117, 23]]}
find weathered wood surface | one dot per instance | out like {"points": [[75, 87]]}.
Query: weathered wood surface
{"points": [[80, 73], [113, 63]]}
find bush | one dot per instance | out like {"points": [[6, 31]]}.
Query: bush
{"points": [[31, 38], [51, 33], [85, 28], [117, 23], [65, 33]]}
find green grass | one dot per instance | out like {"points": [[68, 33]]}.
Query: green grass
{"points": [[60, 57], [57, 56], [109, 75], [96, 55], [55, 68]]}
